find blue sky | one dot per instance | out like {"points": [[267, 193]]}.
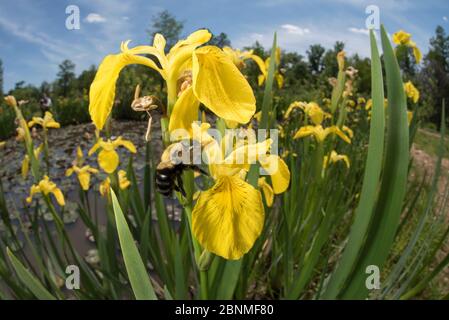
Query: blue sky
{"points": [[34, 39]]}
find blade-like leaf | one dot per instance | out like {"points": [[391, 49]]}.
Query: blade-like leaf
{"points": [[137, 273], [368, 195], [394, 178], [28, 279]]}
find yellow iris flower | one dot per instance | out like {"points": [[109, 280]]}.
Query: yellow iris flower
{"points": [[215, 81], [411, 91], [335, 157], [320, 133], [123, 182], [228, 218], [108, 158], [2, 144], [311, 109], [83, 172], [46, 122], [238, 56], [264, 65], [46, 186], [26, 160], [403, 38]]}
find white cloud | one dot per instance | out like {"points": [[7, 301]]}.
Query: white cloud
{"points": [[445, 18], [359, 30], [94, 18], [293, 29]]}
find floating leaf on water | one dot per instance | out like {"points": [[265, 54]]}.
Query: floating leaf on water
{"points": [[92, 257], [48, 216], [70, 216], [89, 235]]}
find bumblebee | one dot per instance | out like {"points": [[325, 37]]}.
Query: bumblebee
{"points": [[174, 160]]}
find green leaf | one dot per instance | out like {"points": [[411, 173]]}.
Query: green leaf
{"points": [[267, 95], [368, 195], [137, 273], [394, 178], [28, 279]]}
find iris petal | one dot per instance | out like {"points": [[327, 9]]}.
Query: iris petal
{"points": [[108, 160], [185, 111], [228, 218], [220, 86], [102, 90]]}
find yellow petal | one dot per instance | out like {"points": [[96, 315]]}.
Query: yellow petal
{"points": [[84, 179], [340, 133], [278, 170], [69, 172], [267, 191], [260, 79], [220, 86], [304, 132], [52, 124], [33, 190], [94, 148], [228, 218], [102, 89], [185, 111], [261, 64], [124, 143], [59, 196], [25, 166], [123, 180], [417, 53], [108, 160], [279, 80], [105, 186]]}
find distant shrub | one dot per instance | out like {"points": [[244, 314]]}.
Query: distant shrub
{"points": [[73, 110]]}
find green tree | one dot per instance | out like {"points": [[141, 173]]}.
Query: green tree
{"points": [[85, 79], [1, 77], [434, 77], [221, 40], [330, 59], [167, 25], [65, 77], [315, 58]]}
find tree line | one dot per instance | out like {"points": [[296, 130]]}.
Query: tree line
{"points": [[306, 77]]}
